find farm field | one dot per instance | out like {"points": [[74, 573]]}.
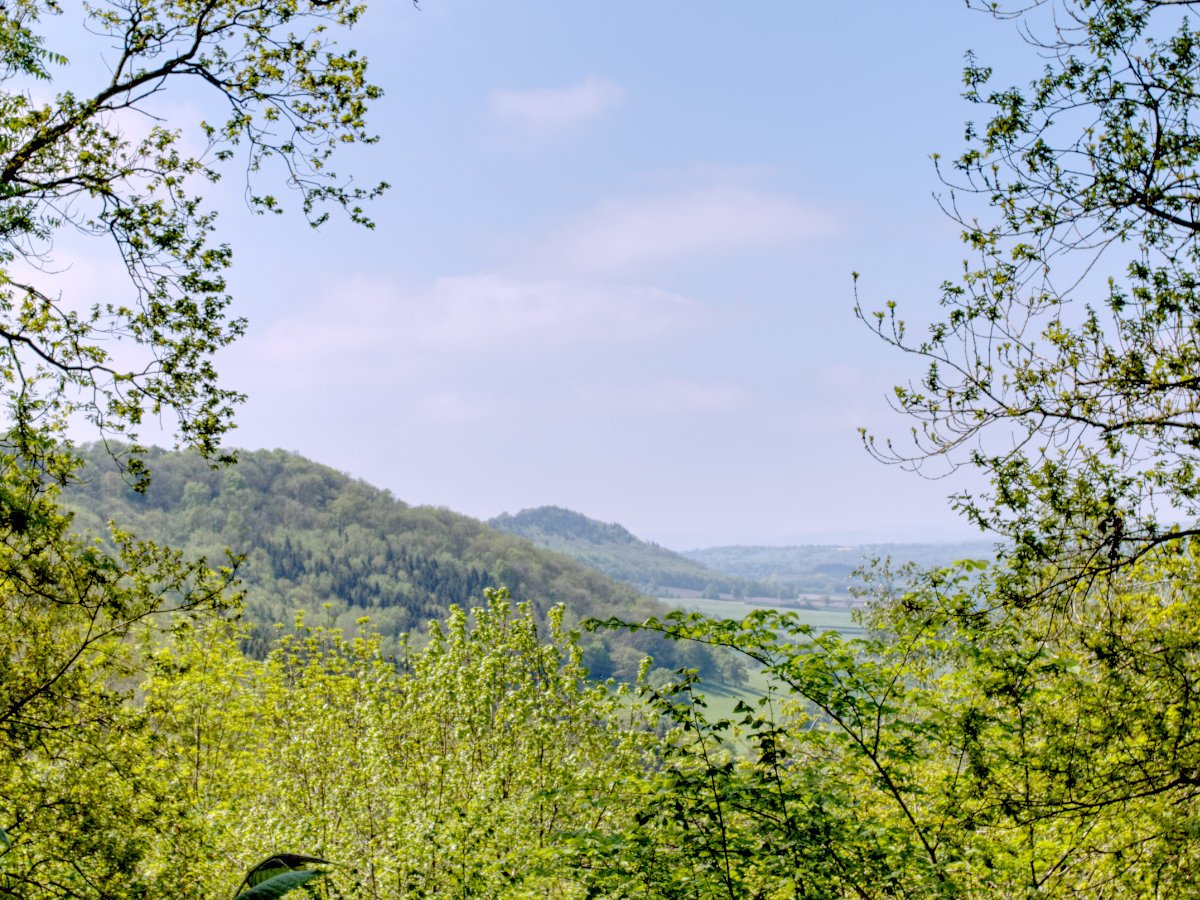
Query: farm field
{"points": [[836, 619], [721, 697]]}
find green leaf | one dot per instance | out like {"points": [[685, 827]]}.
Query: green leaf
{"points": [[278, 885], [279, 862]]}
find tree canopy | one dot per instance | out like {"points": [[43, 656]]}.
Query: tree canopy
{"points": [[286, 98], [1024, 728], [1065, 366], [114, 162]]}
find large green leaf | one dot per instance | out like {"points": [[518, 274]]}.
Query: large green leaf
{"points": [[278, 885], [280, 862]]}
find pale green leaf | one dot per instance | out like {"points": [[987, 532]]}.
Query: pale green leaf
{"points": [[279, 885]]}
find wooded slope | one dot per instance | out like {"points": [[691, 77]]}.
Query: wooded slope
{"points": [[315, 540]]}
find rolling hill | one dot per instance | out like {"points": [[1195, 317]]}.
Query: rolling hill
{"points": [[828, 569], [611, 549], [315, 540]]}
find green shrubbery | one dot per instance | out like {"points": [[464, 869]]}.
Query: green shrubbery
{"points": [[1029, 728]]}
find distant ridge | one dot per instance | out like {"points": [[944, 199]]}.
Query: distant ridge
{"points": [[318, 541], [829, 568], [612, 549], [556, 524], [789, 574]]}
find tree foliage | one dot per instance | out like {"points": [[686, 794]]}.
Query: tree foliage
{"points": [[279, 874], [285, 98], [450, 776], [955, 751], [76, 798], [1029, 728], [1065, 364], [82, 794]]}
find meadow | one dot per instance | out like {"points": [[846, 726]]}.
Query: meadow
{"points": [[721, 696]]}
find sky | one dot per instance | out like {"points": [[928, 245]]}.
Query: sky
{"points": [[614, 268]]}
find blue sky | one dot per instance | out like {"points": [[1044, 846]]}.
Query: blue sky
{"points": [[613, 272]]}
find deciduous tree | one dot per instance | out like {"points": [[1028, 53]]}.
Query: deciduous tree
{"points": [[101, 162], [78, 798], [1028, 728], [452, 774], [1065, 364]]}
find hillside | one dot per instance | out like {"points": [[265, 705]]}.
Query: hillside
{"points": [[316, 540], [828, 569], [611, 549]]}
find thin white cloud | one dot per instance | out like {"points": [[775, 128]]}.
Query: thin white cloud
{"points": [[552, 109], [458, 407], [629, 235], [477, 311], [479, 402], [373, 326]]}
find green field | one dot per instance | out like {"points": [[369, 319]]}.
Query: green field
{"points": [[837, 619], [720, 697]]}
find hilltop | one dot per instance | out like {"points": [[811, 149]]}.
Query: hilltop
{"points": [[316, 541], [612, 549]]}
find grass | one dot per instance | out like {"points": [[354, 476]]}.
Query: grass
{"points": [[835, 619], [721, 697]]}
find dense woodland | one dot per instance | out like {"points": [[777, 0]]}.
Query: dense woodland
{"points": [[1028, 727], [311, 540]]}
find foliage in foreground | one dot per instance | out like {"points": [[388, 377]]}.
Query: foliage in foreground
{"points": [[110, 160], [958, 751], [452, 775], [1029, 730], [79, 802], [1062, 365], [279, 874]]}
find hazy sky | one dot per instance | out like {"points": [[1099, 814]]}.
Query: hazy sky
{"points": [[613, 272]]}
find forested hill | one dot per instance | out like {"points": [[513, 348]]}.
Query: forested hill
{"points": [[611, 549], [317, 540]]}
